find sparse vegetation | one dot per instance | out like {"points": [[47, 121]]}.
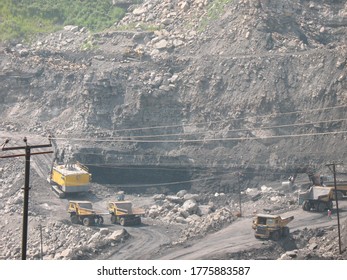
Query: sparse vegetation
{"points": [[21, 18], [214, 10], [89, 45]]}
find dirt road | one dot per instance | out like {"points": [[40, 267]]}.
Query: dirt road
{"points": [[240, 237], [144, 240], [153, 240]]}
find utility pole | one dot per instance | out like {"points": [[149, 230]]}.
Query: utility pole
{"points": [[336, 201], [41, 242], [238, 182], [27, 148]]}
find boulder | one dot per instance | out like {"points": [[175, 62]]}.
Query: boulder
{"points": [[181, 193], [72, 28], [174, 199], [153, 213], [184, 213], [190, 196], [158, 197], [162, 44], [104, 231], [190, 206], [118, 234], [180, 220], [139, 11], [204, 210]]}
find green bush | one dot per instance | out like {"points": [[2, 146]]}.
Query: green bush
{"points": [[22, 18]]}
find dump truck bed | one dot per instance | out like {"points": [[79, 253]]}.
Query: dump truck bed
{"points": [[127, 208], [138, 211], [316, 193], [287, 220]]}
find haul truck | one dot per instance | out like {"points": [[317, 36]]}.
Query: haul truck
{"points": [[83, 212], [317, 198], [69, 178], [341, 188], [271, 226], [123, 213]]}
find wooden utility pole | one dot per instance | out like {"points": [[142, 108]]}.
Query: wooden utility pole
{"points": [[333, 165], [27, 148], [239, 174], [41, 242]]}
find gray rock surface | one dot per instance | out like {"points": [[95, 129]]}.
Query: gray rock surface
{"points": [[215, 95]]}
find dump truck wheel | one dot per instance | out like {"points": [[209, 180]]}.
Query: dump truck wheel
{"points": [[86, 221], [113, 219], [275, 235], [100, 220], [285, 232], [122, 221], [74, 219], [331, 205], [306, 206], [339, 195], [321, 207]]}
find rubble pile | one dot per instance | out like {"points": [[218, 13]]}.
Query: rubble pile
{"points": [[188, 209], [199, 227], [203, 214], [180, 208], [60, 238], [317, 244], [267, 199], [186, 23]]}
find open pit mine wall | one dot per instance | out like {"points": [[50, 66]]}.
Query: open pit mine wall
{"points": [[197, 94], [208, 95]]}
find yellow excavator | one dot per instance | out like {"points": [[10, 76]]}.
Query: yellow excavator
{"points": [[68, 178]]}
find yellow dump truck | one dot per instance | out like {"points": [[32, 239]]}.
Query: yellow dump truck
{"points": [[82, 212], [123, 213], [69, 178], [317, 198], [271, 226], [341, 188]]}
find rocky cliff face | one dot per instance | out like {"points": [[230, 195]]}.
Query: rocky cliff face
{"points": [[188, 88]]}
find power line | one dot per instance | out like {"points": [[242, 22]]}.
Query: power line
{"points": [[182, 182], [169, 166], [237, 119], [183, 141], [232, 130]]}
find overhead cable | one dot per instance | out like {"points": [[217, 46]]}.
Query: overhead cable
{"points": [[232, 130], [206, 139], [236, 119]]}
